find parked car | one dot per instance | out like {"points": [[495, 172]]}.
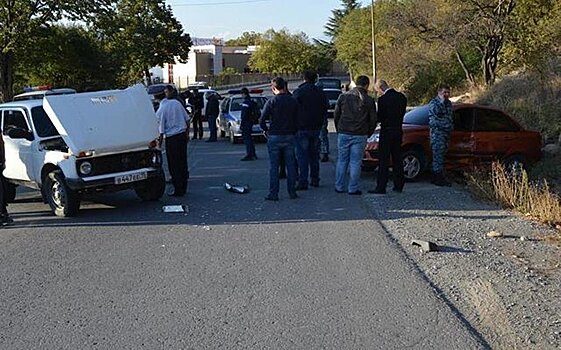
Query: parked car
{"points": [[332, 96], [481, 135], [229, 119], [70, 145], [38, 92]]}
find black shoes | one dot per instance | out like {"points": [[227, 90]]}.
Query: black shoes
{"points": [[314, 183], [324, 158], [377, 191], [293, 196], [355, 193], [301, 188], [176, 194], [6, 220], [397, 189], [282, 175], [438, 179], [339, 191], [248, 158], [272, 198]]}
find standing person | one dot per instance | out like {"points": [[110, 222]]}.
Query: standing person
{"points": [[282, 111], [5, 218], [174, 125], [248, 118], [355, 120], [198, 104], [312, 113], [324, 141], [391, 109], [441, 125], [211, 112]]}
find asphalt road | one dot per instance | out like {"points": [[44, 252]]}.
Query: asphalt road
{"points": [[235, 272]]}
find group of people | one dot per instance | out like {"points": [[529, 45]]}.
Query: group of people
{"points": [[293, 122]]}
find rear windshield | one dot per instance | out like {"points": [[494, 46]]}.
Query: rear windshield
{"points": [[329, 83], [417, 116], [332, 95], [155, 89], [42, 122], [237, 103]]}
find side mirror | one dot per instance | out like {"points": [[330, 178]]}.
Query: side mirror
{"points": [[19, 133]]}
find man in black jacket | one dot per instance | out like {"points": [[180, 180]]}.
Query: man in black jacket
{"points": [[211, 112], [282, 111], [391, 109], [311, 115], [355, 120]]}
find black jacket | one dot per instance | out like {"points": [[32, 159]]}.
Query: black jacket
{"points": [[313, 105], [391, 109], [212, 106], [355, 113], [282, 111]]}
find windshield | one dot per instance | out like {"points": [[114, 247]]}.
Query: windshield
{"points": [[156, 89], [332, 95], [237, 103], [418, 116], [43, 125], [329, 83]]}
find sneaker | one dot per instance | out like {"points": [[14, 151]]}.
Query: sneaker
{"points": [[246, 158], [356, 193], [339, 191], [6, 220]]}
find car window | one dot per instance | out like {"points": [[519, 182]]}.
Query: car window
{"points": [[13, 119], [463, 119], [490, 120], [417, 116], [43, 124], [329, 83], [237, 103]]}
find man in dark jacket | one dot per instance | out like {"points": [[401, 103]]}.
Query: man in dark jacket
{"points": [[248, 110], [211, 112], [355, 120], [197, 101], [282, 112], [311, 115], [391, 109]]}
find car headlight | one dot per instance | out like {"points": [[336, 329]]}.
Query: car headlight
{"points": [[86, 168], [156, 159]]}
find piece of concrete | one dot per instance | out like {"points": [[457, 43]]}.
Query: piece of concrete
{"points": [[425, 245], [494, 234]]}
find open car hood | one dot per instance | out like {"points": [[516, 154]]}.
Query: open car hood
{"points": [[104, 121]]}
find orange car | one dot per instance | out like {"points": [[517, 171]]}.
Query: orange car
{"points": [[481, 135]]}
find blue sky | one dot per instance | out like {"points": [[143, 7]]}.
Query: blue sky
{"points": [[205, 19]]}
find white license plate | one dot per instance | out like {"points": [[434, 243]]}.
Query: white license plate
{"points": [[130, 178]]}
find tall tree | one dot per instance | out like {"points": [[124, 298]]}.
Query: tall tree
{"points": [[21, 19], [144, 34], [283, 52], [246, 39]]}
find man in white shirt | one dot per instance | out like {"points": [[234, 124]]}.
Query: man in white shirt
{"points": [[174, 125]]}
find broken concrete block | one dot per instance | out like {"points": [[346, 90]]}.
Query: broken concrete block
{"points": [[494, 234], [425, 245]]}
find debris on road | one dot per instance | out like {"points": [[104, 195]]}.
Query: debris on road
{"points": [[425, 245], [236, 188], [175, 209], [494, 234]]}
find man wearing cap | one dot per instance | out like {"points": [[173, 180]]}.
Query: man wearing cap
{"points": [[174, 125]]}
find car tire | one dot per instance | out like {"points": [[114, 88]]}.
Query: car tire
{"points": [[151, 189], [514, 164], [63, 201], [10, 192], [232, 137], [413, 164], [219, 128]]}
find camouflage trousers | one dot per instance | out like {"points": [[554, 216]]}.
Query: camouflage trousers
{"points": [[439, 141]]}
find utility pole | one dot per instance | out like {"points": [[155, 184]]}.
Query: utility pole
{"points": [[374, 75]]}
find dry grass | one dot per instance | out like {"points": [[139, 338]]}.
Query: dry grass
{"points": [[516, 192]]}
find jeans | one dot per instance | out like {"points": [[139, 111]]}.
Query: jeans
{"points": [[248, 140], [277, 145], [324, 138], [351, 152], [308, 156], [212, 127]]}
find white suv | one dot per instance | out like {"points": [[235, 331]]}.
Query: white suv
{"points": [[68, 145]]}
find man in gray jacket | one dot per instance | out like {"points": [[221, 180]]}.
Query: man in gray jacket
{"points": [[355, 120]]}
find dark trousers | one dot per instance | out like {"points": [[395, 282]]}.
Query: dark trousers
{"points": [[3, 184], [248, 140], [307, 142], [176, 152], [281, 145], [390, 146], [197, 125], [212, 127]]}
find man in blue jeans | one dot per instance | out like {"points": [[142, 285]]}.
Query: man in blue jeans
{"points": [[311, 114], [355, 120], [282, 111]]}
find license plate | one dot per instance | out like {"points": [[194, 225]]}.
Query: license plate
{"points": [[130, 178]]}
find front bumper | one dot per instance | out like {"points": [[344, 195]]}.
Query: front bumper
{"points": [[108, 180]]}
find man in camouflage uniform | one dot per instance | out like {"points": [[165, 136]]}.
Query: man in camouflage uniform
{"points": [[441, 125]]}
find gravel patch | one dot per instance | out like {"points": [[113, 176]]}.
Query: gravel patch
{"points": [[506, 286]]}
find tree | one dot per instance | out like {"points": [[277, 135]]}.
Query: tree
{"points": [[143, 34], [21, 19], [283, 52], [246, 39]]}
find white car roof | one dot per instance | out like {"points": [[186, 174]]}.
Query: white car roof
{"points": [[39, 94]]}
